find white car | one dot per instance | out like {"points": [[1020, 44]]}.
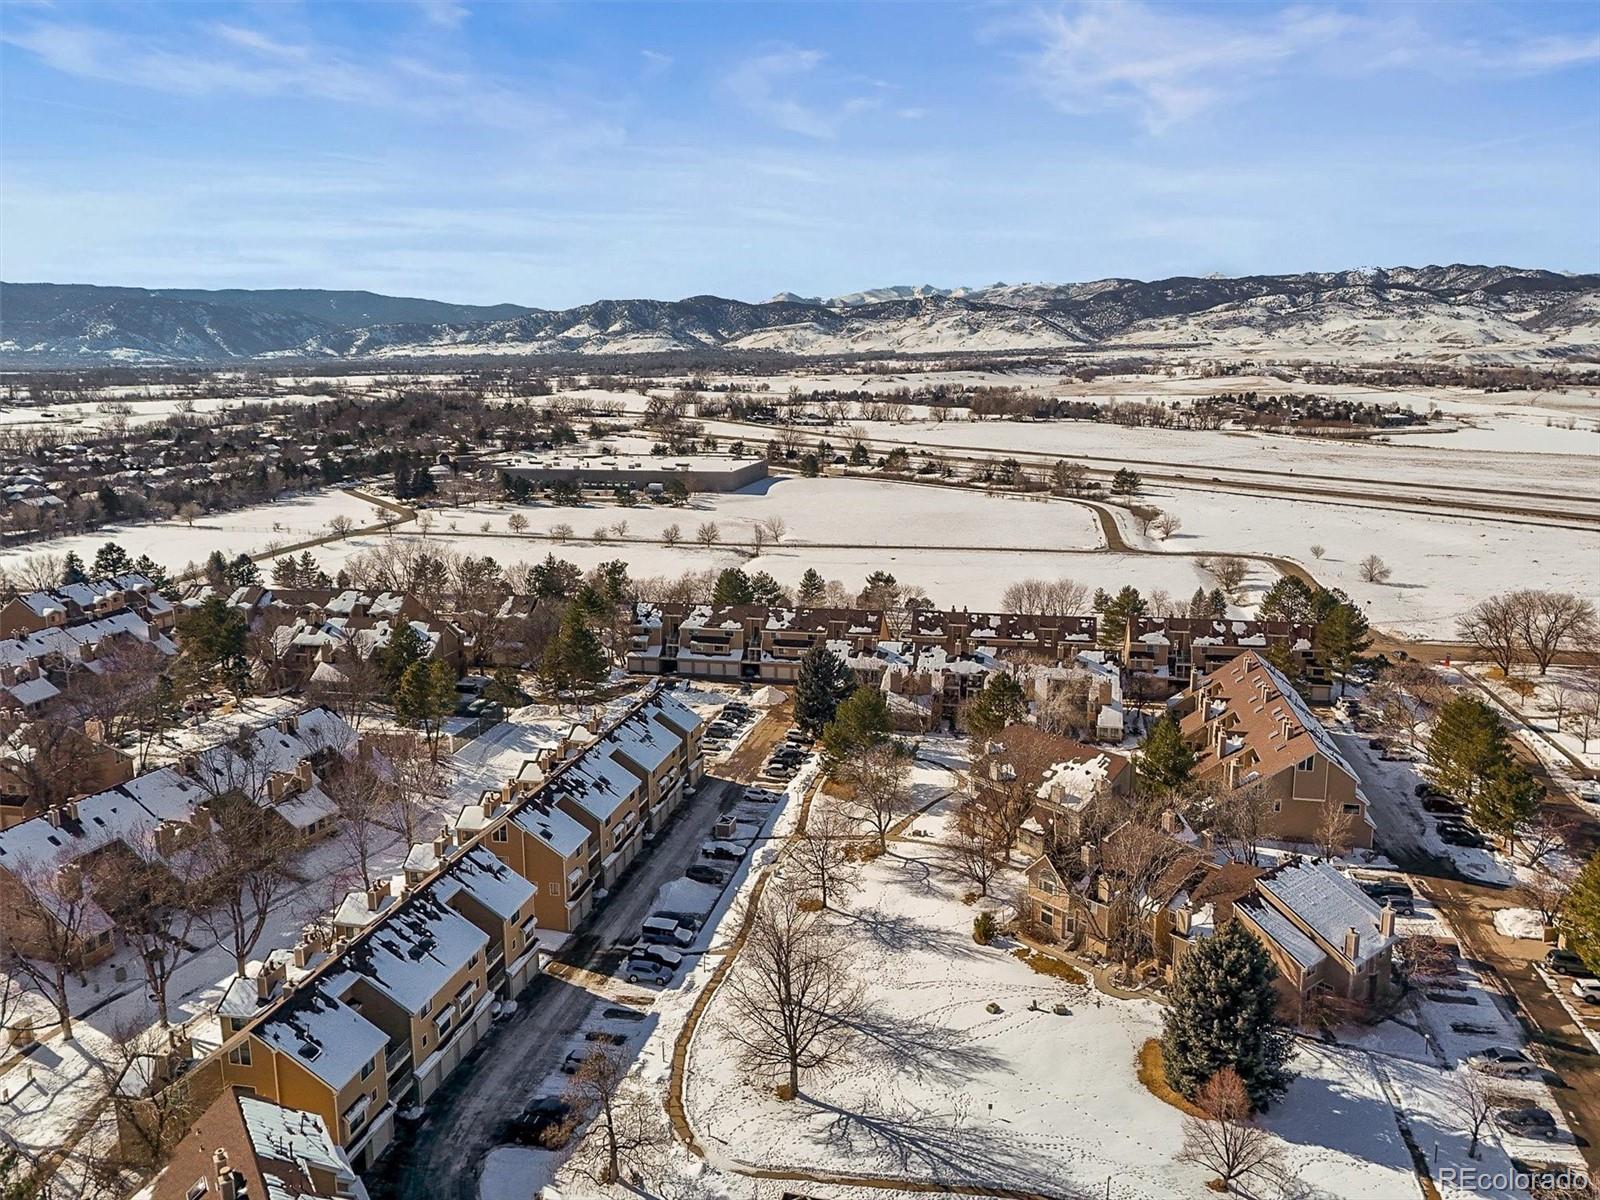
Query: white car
{"points": [[1587, 990], [1502, 1063]]}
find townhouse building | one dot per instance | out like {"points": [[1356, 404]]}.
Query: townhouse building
{"points": [[1054, 778], [1173, 651], [1249, 725]]}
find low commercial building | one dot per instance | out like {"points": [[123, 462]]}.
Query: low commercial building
{"points": [[644, 473]]}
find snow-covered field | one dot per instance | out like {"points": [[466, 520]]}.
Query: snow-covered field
{"points": [[175, 544]]}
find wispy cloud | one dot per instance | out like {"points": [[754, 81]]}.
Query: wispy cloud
{"points": [[655, 62], [1166, 65], [769, 85], [230, 59], [445, 13]]}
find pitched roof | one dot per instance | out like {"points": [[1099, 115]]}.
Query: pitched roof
{"points": [[1328, 903]]}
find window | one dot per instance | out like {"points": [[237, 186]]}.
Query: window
{"points": [[198, 1189], [500, 834], [427, 1007], [1352, 808], [1047, 916], [1306, 764], [1277, 806], [371, 1066], [1047, 886], [553, 889], [239, 1056]]}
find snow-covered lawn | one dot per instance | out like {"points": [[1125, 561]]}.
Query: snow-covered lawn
{"points": [[1519, 923], [1441, 565], [175, 544]]}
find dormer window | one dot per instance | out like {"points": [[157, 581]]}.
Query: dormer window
{"points": [[1307, 763]]}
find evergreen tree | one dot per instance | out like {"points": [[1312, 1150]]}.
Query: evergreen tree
{"points": [[213, 636], [610, 579], [1119, 610], [859, 456], [861, 722], [810, 466], [72, 570], [1580, 918], [1507, 800], [812, 587], [822, 682], [425, 696], [1222, 1012], [216, 569], [110, 561], [110, 502], [1165, 759], [1218, 602], [732, 587], [1199, 605], [154, 572], [677, 492], [764, 589], [1467, 742], [575, 660], [554, 578], [1341, 636], [1000, 703], [406, 647], [1126, 482], [1289, 599], [242, 572]]}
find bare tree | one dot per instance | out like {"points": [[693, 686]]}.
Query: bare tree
{"points": [[52, 914], [1166, 525], [708, 535], [773, 528], [1238, 819], [561, 531], [1494, 627], [824, 855], [629, 1133], [1334, 826], [153, 892], [794, 1000], [980, 844], [1226, 1140], [340, 525], [1547, 620], [1230, 573], [361, 793], [246, 859], [1470, 1097], [671, 535], [879, 782], [1046, 597], [1374, 570], [1547, 886]]}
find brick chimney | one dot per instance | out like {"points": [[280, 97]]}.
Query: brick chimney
{"points": [[1352, 943], [226, 1190], [1386, 921]]}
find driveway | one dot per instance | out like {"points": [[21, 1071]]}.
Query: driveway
{"points": [[443, 1155]]}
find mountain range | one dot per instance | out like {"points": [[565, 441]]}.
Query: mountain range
{"points": [[1455, 312]]}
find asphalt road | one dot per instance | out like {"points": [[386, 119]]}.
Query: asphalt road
{"points": [[440, 1158]]}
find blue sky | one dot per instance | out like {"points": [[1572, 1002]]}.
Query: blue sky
{"points": [[557, 153]]}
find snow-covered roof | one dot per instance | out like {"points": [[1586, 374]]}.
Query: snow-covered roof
{"points": [[128, 813], [563, 834], [1285, 933], [642, 742], [323, 1034], [291, 1136], [493, 884], [416, 951], [1328, 903], [597, 783]]}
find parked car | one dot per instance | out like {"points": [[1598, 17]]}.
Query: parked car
{"points": [[664, 931], [798, 737], [761, 795], [1565, 962], [1502, 1062], [570, 1064], [1440, 803], [643, 970], [1587, 990], [665, 955], [545, 1122], [1527, 1120], [701, 873], [1376, 743], [722, 851]]}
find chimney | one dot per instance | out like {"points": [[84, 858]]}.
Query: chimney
{"points": [[226, 1190], [1352, 943], [1386, 921], [1169, 821], [302, 772], [441, 843], [95, 730], [271, 972], [1086, 855], [376, 894]]}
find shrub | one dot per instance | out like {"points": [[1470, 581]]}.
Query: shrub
{"points": [[983, 928]]}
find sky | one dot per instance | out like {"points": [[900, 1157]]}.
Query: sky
{"points": [[553, 154]]}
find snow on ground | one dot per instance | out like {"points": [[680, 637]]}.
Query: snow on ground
{"points": [[515, 1173], [1519, 923], [174, 544], [1547, 714], [1322, 460], [1441, 565], [946, 1090]]}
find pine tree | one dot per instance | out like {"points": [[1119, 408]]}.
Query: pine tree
{"points": [[1000, 703], [1507, 800], [1467, 742], [1165, 759], [1289, 599], [732, 587], [823, 681], [406, 646], [1580, 919], [554, 578], [1126, 482], [861, 722], [110, 561], [1199, 605], [154, 572], [1218, 603], [1222, 1012], [812, 587], [1119, 610], [213, 636], [425, 696], [1340, 637], [216, 568], [586, 663], [72, 570]]}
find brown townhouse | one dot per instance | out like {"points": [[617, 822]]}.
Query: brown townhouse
{"points": [[1249, 726], [1055, 777]]}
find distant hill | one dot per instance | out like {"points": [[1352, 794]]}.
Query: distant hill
{"points": [[1455, 311]]}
